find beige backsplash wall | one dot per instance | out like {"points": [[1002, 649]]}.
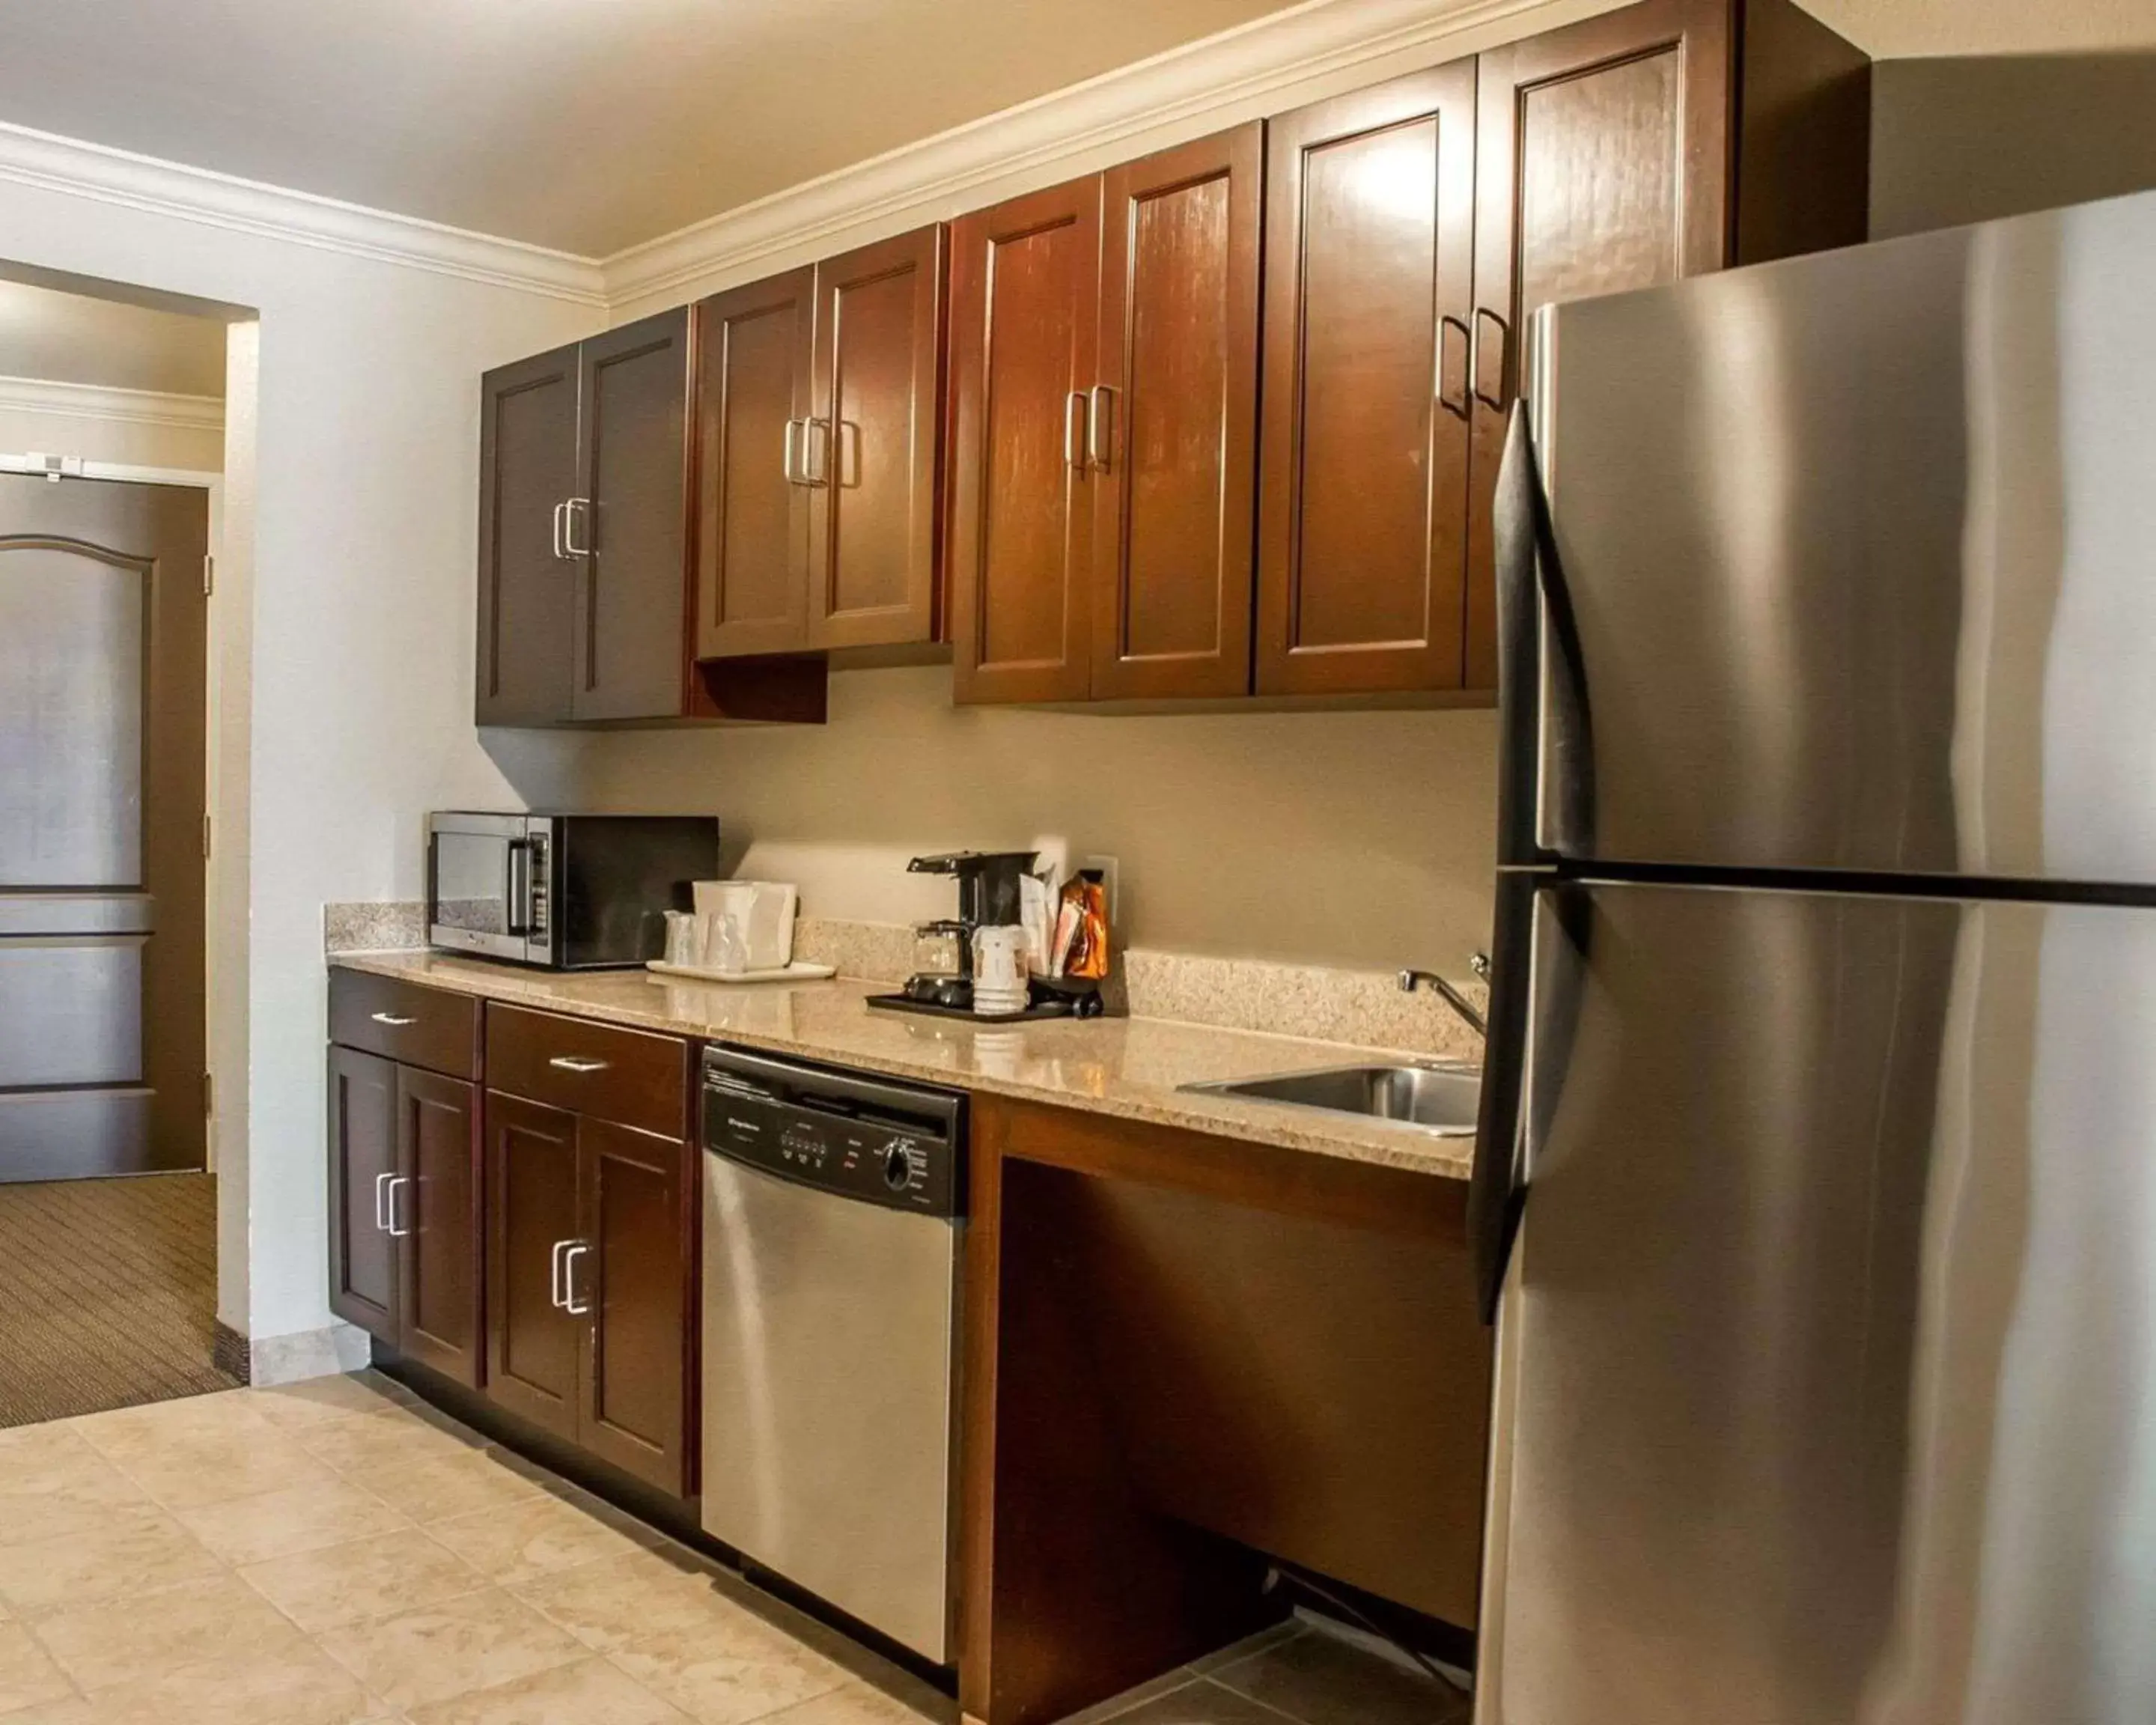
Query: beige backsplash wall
{"points": [[1351, 839]]}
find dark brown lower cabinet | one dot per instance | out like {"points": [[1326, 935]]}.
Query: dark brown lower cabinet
{"points": [[434, 1216], [363, 1280], [635, 1188], [532, 1343], [1186, 1356], [405, 1209], [590, 1268]]}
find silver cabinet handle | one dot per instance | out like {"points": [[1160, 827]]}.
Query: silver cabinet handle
{"points": [[382, 1201], [397, 1184], [1100, 432], [560, 509], [1464, 407], [1484, 315], [576, 1250], [573, 1063], [391, 1020], [555, 1297], [789, 459], [573, 511], [1073, 455]]}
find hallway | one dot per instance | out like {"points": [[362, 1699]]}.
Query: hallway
{"points": [[112, 1294]]}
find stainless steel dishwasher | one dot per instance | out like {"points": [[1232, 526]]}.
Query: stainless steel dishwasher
{"points": [[832, 1207]]}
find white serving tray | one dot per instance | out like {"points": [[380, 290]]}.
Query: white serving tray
{"points": [[796, 972]]}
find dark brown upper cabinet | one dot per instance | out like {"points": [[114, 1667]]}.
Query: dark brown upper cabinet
{"points": [[583, 531], [874, 445], [1369, 283], [1666, 140], [1171, 428], [585, 494], [1060, 435], [753, 484], [1024, 316], [1104, 394], [819, 399], [627, 528], [527, 599], [1412, 229]]}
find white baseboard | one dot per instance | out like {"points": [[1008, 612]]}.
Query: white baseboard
{"points": [[306, 1353]]}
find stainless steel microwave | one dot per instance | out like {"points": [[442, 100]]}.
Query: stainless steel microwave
{"points": [[564, 891]]}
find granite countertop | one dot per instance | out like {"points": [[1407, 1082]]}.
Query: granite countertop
{"points": [[1129, 1067]]}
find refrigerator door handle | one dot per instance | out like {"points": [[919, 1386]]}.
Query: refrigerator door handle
{"points": [[1534, 607], [1494, 1191], [1519, 648]]}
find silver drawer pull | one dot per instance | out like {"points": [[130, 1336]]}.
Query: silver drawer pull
{"points": [[397, 1185], [570, 1302], [573, 1063], [381, 1184], [392, 1019]]}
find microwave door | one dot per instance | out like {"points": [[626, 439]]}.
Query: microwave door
{"points": [[478, 886]]}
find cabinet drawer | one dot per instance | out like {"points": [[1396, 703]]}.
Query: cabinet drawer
{"points": [[403, 1022], [630, 1077]]}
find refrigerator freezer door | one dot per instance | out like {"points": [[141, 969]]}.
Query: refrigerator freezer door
{"points": [[1861, 557], [1827, 1364]]}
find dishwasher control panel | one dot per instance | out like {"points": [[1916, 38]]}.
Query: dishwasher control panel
{"points": [[872, 1139]]}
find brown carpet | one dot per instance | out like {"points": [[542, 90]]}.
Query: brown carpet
{"points": [[109, 1294]]}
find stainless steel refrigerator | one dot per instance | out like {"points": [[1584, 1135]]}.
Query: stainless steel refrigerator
{"points": [[1816, 1183]]}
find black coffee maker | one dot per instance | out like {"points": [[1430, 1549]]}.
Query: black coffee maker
{"points": [[988, 897]]}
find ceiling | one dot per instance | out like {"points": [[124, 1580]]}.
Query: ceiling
{"points": [[67, 338], [592, 125], [586, 125]]}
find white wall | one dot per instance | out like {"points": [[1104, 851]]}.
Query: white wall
{"points": [[1358, 838], [358, 713], [1969, 139]]}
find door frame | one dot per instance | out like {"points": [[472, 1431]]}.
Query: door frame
{"points": [[215, 649]]}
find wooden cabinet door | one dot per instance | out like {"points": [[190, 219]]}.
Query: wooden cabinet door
{"points": [[435, 1213], [630, 522], [362, 1142], [1362, 534], [877, 425], [1604, 164], [1024, 296], [534, 1345], [752, 474], [527, 459], [1172, 431], [635, 1285]]}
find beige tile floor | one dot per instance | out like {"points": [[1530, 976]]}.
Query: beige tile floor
{"points": [[335, 1552]]}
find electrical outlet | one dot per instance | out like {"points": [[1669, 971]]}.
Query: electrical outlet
{"points": [[1111, 884]]}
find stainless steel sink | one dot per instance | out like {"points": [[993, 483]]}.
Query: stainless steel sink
{"points": [[1436, 1099]]}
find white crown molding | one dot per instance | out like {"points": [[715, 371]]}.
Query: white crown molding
{"points": [[143, 183], [124, 406], [1234, 72], [1235, 69]]}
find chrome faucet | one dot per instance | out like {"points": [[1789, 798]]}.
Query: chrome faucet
{"points": [[1410, 980]]}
